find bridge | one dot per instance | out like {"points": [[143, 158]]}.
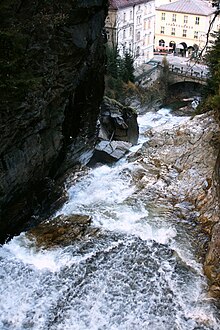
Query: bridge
{"points": [[147, 74], [187, 74]]}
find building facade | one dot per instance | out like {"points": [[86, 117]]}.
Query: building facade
{"points": [[182, 26], [130, 27]]}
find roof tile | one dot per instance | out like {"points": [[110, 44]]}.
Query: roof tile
{"points": [[117, 4], [195, 7]]}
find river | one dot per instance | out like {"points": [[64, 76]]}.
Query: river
{"points": [[140, 273]]}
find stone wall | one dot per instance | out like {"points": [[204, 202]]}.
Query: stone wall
{"points": [[52, 69]]}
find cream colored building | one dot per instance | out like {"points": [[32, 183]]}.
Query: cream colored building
{"points": [[130, 27], [182, 26]]}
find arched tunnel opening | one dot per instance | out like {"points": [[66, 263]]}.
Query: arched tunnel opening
{"points": [[185, 89]]}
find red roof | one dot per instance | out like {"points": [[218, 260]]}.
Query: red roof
{"points": [[117, 4]]}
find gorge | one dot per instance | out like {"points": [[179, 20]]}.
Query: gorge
{"points": [[131, 241]]}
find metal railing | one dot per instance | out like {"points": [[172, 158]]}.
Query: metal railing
{"points": [[189, 72]]}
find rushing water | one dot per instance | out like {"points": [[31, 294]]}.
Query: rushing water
{"points": [[140, 273]]}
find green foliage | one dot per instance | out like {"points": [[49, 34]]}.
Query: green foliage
{"points": [[212, 91], [114, 88], [112, 62], [127, 68], [120, 71], [120, 67]]}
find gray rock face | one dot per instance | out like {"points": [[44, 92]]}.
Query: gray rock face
{"points": [[52, 83], [180, 164], [177, 174]]}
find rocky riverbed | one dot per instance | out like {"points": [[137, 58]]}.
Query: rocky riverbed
{"points": [[177, 174]]}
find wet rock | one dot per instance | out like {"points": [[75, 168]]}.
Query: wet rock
{"points": [[62, 231], [109, 152]]}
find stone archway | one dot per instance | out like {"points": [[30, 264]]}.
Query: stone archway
{"points": [[190, 50], [162, 43], [193, 50], [172, 45], [182, 49]]}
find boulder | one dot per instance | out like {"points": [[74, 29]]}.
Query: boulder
{"points": [[108, 152], [118, 122], [61, 231]]}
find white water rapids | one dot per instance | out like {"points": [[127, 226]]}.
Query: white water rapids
{"points": [[140, 274]]}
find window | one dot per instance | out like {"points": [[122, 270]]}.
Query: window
{"points": [[173, 31], [161, 42], [139, 20], [138, 35], [162, 30], [138, 51], [185, 20], [124, 34], [139, 7], [184, 33], [149, 23], [130, 49], [124, 17], [196, 34], [131, 14], [174, 18], [130, 31], [163, 16], [197, 20]]}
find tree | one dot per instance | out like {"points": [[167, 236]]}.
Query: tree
{"points": [[112, 61], [213, 87], [164, 75], [127, 68]]}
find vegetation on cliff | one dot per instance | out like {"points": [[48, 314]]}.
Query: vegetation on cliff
{"points": [[120, 74], [213, 88]]}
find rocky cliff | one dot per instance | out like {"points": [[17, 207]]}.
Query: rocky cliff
{"points": [[181, 178], [52, 64]]}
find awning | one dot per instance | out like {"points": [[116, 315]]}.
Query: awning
{"points": [[164, 48]]}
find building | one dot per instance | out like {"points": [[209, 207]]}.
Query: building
{"points": [[130, 27], [182, 26], [159, 3]]}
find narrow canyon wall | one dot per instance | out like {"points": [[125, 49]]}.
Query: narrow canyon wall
{"points": [[52, 64]]}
